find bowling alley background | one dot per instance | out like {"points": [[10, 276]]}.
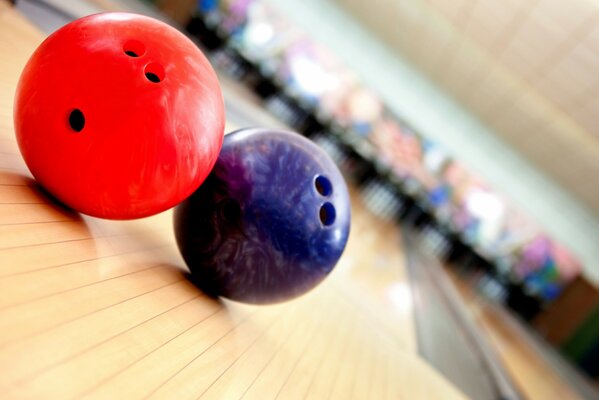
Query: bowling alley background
{"points": [[466, 128]]}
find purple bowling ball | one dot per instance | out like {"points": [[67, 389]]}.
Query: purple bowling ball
{"points": [[269, 223]]}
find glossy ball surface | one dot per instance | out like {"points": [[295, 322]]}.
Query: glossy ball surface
{"points": [[119, 115], [269, 223]]}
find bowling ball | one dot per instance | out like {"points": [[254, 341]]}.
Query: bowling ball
{"points": [[119, 115], [269, 223]]}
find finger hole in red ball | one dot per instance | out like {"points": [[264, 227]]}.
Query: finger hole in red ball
{"points": [[77, 120], [134, 48], [154, 72]]}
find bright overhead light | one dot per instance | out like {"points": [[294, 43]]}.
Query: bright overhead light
{"points": [[259, 34], [310, 77]]}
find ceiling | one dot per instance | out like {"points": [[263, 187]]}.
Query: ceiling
{"points": [[526, 68]]}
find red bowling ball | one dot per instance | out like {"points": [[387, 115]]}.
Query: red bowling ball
{"points": [[119, 116]]}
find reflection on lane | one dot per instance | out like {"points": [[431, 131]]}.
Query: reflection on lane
{"points": [[447, 336]]}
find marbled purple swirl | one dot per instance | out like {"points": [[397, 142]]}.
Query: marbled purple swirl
{"points": [[253, 231]]}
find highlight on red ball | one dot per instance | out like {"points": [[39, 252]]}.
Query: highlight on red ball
{"points": [[119, 115]]}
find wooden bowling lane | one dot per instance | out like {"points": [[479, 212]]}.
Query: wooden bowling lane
{"points": [[103, 309]]}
